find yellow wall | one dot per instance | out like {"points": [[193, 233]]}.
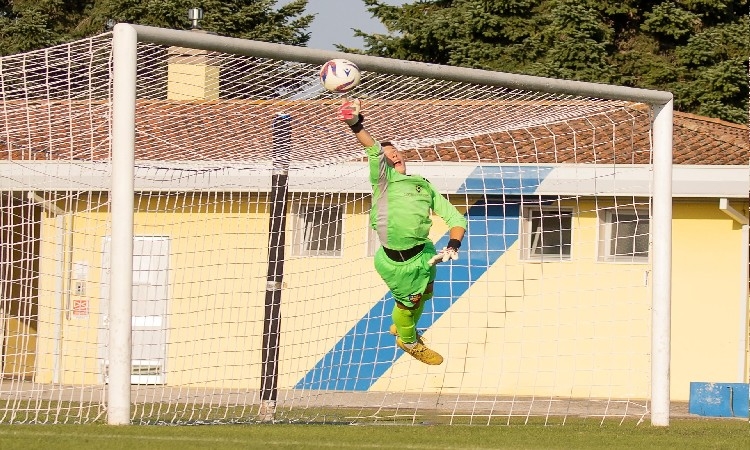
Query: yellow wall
{"points": [[217, 268], [570, 328], [583, 329], [68, 342], [18, 288], [706, 293]]}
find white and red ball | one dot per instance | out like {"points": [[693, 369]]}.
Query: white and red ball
{"points": [[339, 75]]}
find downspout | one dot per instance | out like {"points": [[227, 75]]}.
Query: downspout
{"points": [[62, 235], [742, 348]]}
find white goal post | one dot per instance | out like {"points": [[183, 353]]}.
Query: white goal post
{"points": [[185, 239], [125, 41]]}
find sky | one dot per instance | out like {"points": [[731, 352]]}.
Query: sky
{"points": [[335, 19]]}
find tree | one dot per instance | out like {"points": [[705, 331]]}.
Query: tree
{"points": [[574, 41], [31, 24], [470, 33], [697, 49], [713, 77], [248, 19]]}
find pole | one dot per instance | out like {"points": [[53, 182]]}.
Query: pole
{"points": [[282, 131], [124, 47], [661, 311]]}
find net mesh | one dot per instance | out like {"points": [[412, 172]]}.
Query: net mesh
{"points": [[545, 315]]}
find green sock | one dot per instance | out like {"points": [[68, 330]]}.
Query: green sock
{"points": [[417, 313], [406, 320], [405, 324]]}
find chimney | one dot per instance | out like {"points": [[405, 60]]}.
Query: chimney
{"points": [[192, 74]]}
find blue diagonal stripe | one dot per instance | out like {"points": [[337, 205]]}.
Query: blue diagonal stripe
{"points": [[368, 350]]}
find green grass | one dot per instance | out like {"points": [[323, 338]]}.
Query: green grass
{"points": [[576, 434]]}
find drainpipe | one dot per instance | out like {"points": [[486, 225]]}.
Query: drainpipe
{"points": [[62, 235], [742, 350]]}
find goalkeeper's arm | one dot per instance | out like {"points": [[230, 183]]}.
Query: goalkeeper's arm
{"points": [[349, 113]]}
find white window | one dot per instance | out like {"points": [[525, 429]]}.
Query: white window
{"points": [[318, 230], [547, 233], [624, 235]]}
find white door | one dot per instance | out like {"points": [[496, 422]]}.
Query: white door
{"points": [[150, 301]]}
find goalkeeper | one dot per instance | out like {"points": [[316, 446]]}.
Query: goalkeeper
{"points": [[402, 205]]}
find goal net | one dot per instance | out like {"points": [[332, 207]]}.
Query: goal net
{"points": [[185, 239]]}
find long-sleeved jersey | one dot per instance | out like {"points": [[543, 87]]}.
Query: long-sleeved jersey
{"points": [[402, 204]]}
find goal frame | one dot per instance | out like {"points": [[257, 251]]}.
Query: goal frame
{"points": [[124, 44]]}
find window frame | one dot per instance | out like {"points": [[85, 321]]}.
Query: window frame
{"points": [[607, 221], [529, 237], [301, 233]]}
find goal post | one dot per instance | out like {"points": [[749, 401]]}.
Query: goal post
{"points": [[662, 246], [124, 56], [125, 42], [186, 240]]}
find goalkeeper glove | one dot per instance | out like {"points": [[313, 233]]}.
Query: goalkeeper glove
{"points": [[349, 113], [450, 252]]}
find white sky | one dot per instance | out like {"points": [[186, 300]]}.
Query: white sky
{"points": [[335, 19]]}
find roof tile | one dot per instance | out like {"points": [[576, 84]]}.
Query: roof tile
{"points": [[241, 131]]}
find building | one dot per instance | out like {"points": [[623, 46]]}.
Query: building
{"points": [[201, 251]]}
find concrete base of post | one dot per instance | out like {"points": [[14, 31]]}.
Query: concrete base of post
{"points": [[267, 411]]}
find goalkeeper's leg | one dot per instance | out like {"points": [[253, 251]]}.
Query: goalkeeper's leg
{"points": [[415, 315], [408, 282], [405, 319], [405, 323], [426, 296]]}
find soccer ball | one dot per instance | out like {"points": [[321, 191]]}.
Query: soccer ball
{"points": [[339, 75]]}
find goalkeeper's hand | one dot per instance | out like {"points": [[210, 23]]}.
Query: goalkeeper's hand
{"points": [[444, 255], [349, 112]]}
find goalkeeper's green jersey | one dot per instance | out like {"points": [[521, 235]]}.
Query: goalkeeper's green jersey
{"points": [[402, 205]]}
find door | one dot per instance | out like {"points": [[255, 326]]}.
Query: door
{"points": [[150, 307]]}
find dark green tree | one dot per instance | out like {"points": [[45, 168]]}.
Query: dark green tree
{"points": [[574, 41], [248, 19], [697, 49], [713, 73], [470, 33], [31, 24]]}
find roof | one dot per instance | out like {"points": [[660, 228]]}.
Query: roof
{"points": [[242, 131], [703, 140]]}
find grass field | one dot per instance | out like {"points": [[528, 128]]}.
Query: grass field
{"points": [[576, 434]]}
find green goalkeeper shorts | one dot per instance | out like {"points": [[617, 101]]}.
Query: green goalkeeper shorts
{"points": [[407, 280]]}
